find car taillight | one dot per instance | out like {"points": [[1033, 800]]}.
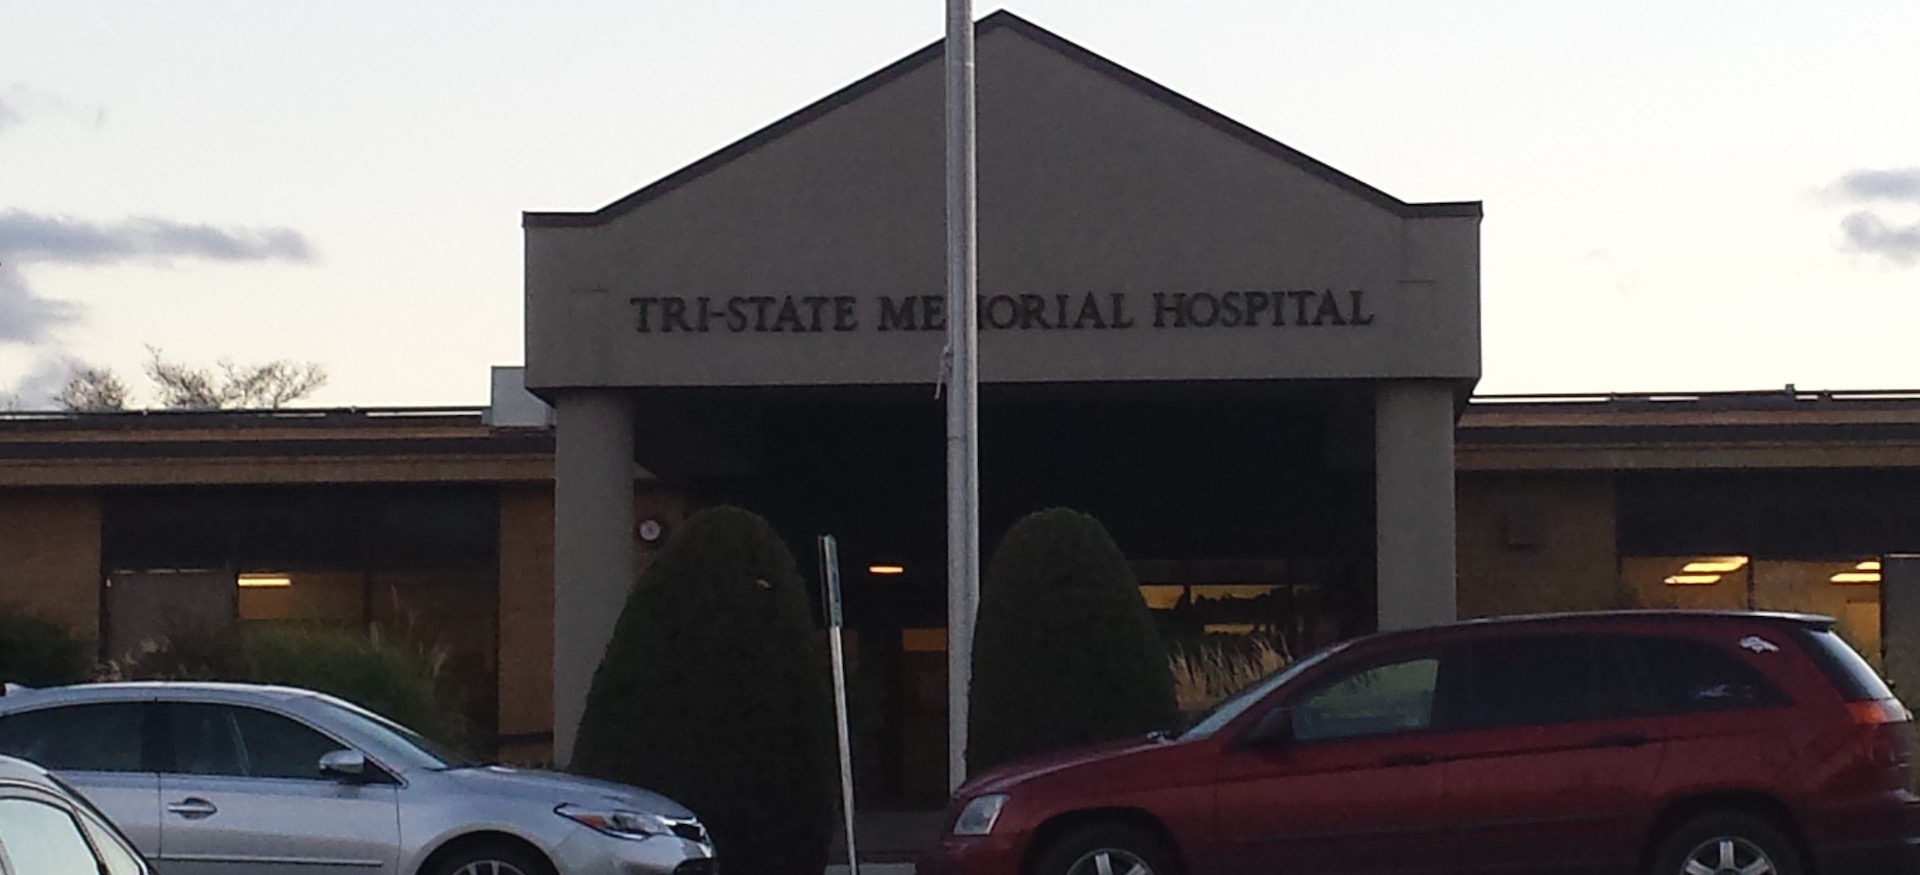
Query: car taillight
{"points": [[1875, 712]]}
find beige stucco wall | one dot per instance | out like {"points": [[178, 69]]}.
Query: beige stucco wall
{"points": [[1536, 542], [1086, 185], [50, 556]]}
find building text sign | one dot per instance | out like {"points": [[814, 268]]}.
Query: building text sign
{"points": [[739, 314]]}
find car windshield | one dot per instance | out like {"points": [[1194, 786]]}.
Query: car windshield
{"points": [[418, 751], [1238, 703]]}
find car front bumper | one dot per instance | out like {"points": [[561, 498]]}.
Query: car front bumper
{"points": [[970, 855], [588, 852]]}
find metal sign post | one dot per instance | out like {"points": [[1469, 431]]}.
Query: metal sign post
{"points": [[830, 586], [963, 468]]}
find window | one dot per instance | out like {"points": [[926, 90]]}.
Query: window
{"points": [[1396, 697], [245, 742], [117, 856], [1681, 676], [103, 737], [39, 837], [1527, 682], [278, 747]]}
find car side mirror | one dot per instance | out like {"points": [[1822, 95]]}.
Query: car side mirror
{"points": [[1275, 728], [346, 765]]}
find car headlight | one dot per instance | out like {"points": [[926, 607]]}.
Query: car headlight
{"points": [[979, 815], [619, 822]]}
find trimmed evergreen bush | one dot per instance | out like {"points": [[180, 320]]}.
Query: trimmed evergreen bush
{"points": [[1064, 650], [37, 652], [715, 691]]}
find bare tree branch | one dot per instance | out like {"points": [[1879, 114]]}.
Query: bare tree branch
{"points": [[93, 390], [269, 385], [183, 387]]}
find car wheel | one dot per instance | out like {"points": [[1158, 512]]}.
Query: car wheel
{"points": [[1106, 849], [1727, 844], [490, 858]]}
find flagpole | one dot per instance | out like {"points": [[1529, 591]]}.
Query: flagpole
{"points": [[963, 468]]}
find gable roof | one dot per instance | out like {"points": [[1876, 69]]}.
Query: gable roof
{"points": [[1050, 40]]}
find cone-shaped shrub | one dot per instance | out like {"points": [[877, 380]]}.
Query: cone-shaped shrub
{"points": [[715, 691], [1064, 650]]}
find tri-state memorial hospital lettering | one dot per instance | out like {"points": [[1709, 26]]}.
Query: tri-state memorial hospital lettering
{"points": [[1094, 311]]}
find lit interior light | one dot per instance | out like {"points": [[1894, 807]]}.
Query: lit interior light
{"points": [[1715, 565], [265, 580], [1692, 579], [886, 569], [1856, 577], [1869, 565]]}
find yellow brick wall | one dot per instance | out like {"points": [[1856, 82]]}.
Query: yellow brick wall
{"points": [[526, 617], [1536, 542], [50, 556], [526, 605]]}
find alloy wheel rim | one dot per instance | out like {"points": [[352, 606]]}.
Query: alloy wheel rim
{"points": [[489, 867], [1728, 855], [1110, 861]]}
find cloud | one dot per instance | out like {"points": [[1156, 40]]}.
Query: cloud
{"points": [[1867, 232], [38, 388], [20, 104], [26, 317], [27, 237], [1866, 186]]}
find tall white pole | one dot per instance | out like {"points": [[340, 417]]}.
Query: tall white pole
{"points": [[963, 467]]}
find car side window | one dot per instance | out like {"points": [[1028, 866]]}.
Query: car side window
{"points": [[1378, 700], [99, 737], [204, 740], [39, 837], [115, 855], [1686, 676], [1526, 681], [245, 742], [279, 747]]}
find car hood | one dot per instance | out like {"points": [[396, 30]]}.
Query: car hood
{"points": [[1077, 759], [556, 788]]}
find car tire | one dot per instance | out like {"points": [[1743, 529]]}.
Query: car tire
{"points": [[1727, 842], [490, 858], [1125, 849]]}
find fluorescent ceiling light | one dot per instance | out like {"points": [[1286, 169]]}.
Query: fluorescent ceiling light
{"points": [[1715, 564], [1692, 579], [265, 580], [1869, 565], [1857, 577], [886, 569]]}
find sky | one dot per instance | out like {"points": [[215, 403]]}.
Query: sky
{"points": [[1679, 197]]}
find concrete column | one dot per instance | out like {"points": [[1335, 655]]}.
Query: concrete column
{"points": [[592, 545], [1413, 504]]}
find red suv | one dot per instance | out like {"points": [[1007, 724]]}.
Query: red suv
{"points": [[1653, 743]]}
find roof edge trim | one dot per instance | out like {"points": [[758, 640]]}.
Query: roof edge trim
{"points": [[933, 52]]}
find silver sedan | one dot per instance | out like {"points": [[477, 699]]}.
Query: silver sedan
{"points": [[237, 779]]}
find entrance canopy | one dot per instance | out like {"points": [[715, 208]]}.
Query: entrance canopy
{"points": [[1126, 234]]}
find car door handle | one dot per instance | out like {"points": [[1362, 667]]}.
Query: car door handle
{"points": [[1408, 759], [193, 808], [1621, 739]]}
